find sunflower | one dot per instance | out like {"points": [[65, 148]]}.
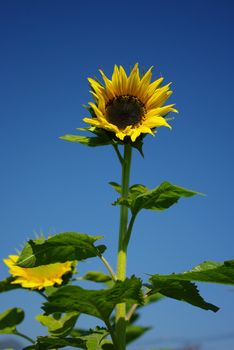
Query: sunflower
{"points": [[37, 277], [129, 105]]}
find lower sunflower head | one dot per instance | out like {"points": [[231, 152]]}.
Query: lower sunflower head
{"points": [[38, 277], [129, 105]]}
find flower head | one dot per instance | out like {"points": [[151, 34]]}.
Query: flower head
{"points": [[37, 277], [129, 105]]}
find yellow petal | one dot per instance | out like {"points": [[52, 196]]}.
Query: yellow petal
{"points": [[116, 81], [124, 80], [37, 277], [156, 99], [144, 83], [151, 97], [109, 86], [97, 111], [155, 122], [133, 81]]}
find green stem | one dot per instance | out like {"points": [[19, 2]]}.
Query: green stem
{"points": [[129, 230], [133, 309], [24, 336], [109, 268], [112, 333], [122, 249]]}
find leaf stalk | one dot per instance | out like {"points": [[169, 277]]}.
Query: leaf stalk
{"points": [[24, 336]]}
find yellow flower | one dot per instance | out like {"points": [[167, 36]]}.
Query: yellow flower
{"points": [[37, 277], [129, 105]]}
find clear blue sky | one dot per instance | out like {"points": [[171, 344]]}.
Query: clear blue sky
{"points": [[48, 49]]}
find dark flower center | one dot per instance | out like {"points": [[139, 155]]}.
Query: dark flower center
{"points": [[125, 110]]}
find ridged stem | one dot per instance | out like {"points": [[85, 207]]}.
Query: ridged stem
{"points": [[122, 248]]}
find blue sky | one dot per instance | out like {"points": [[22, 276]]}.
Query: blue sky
{"points": [[48, 49]]}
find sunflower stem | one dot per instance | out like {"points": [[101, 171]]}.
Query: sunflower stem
{"points": [[112, 333], [122, 248]]}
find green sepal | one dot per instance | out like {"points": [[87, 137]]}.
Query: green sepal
{"points": [[138, 144], [68, 246], [96, 276], [160, 198], [50, 290], [102, 137], [6, 285], [60, 327], [98, 303], [9, 319]]}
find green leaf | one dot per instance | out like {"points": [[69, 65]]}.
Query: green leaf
{"points": [[78, 332], [98, 303], [96, 276], [61, 327], [116, 186], [209, 271], [62, 247], [9, 319], [134, 332], [57, 343], [86, 140], [6, 285], [90, 341], [160, 198], [101, 138], [154, 298], [94, 340], [107, 345], [178, 285], [180, 290]]}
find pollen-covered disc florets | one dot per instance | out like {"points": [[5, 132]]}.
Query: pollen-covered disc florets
{"points": [[124, 111], [129, 105]]}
